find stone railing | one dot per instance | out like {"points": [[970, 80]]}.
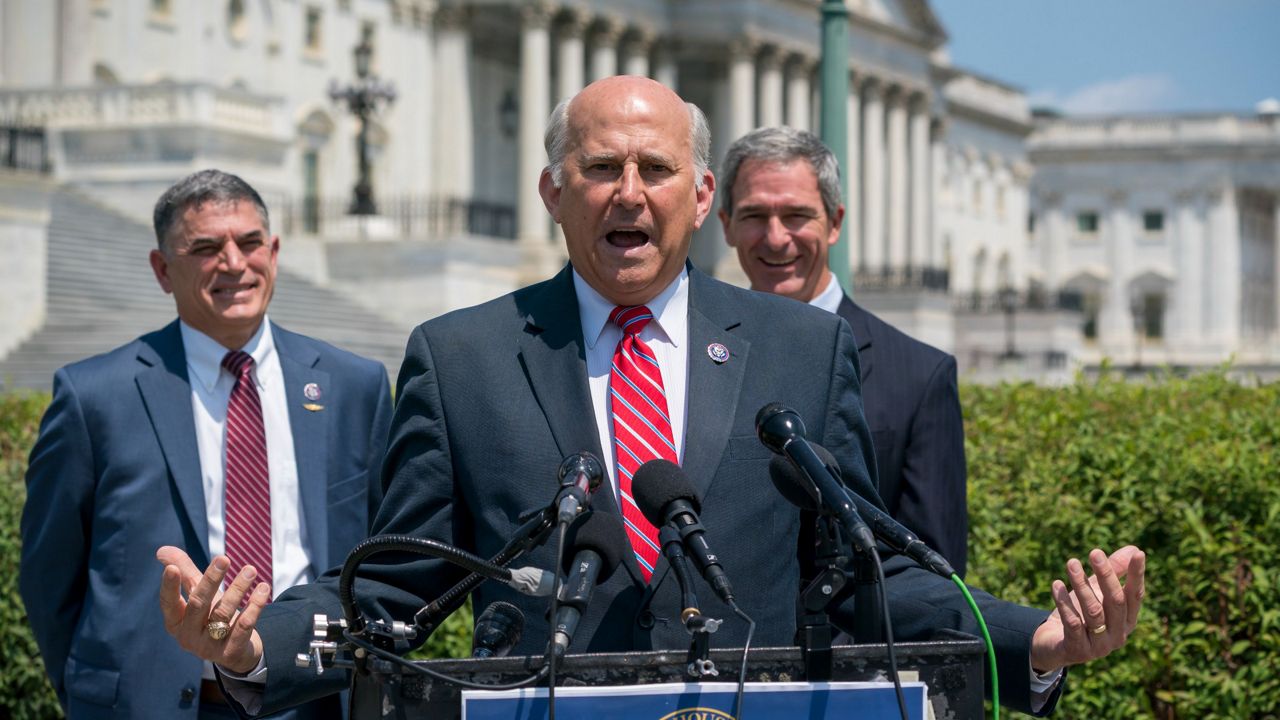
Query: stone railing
{"points": [[989, 96], [1140, 130], [143, 106]]}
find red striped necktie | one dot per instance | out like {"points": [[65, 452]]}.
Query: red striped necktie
{"points": [[248, 487], [641, 425]]}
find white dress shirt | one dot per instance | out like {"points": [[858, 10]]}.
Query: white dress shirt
{"points": [[210, 391], [666, 334]]}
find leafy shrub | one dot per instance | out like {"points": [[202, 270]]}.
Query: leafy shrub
{"points": [[1186, 469]]}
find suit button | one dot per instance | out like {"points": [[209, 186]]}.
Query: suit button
{"points": [[188, 694], [645, 619]]}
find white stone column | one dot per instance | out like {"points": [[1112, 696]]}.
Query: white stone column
{"points": [[742, 88], [1225, 272], [897, 179], [453, 175], [1115, 332], [75, 65], [532, 222], [1188, 303], [570, 55], [1051, 234], [800, 93], [770, 88], [604, 49], [921, 198], [852, 169], [665, 69], [873, 177], [937, 166], [635, 52]]}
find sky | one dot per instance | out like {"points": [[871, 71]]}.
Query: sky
{"points": [[1089, 57]]}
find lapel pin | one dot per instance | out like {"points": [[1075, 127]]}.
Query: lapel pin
{"points": [[719, 353], [311, 391]]}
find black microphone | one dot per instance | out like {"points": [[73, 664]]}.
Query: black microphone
{"points": [[673, 549], [498, 629], [596, 539], [782, 431], [580, 475], [793, 485], [665, 495]]}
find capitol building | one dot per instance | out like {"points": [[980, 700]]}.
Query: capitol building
{"points": [[1031, 245]]}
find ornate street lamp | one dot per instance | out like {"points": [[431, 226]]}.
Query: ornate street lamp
{"points": [[1009, 304], [362, 98]]}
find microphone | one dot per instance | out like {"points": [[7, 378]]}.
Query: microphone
{"points": [[580, 475], [664, 495], [793, 485], [598, 554], [673, 549], [781, 430], [498, 629]]}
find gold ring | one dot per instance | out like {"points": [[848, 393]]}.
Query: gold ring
{"points": [[217, 629], [1099, 630]]}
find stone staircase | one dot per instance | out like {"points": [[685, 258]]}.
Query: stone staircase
{"points": [[102, 294]]}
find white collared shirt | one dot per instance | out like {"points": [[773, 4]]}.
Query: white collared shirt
{"points": [[667, 335], [829, 299], [210, 391]]}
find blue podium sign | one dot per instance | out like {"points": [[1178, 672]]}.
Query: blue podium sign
{"points": [[703, 701]]}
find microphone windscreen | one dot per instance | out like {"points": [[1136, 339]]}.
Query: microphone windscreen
{"points": [[658, 482], [792, 484], [601, 532], [498, 628]]}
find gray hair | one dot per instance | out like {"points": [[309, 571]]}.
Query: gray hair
{"points": [[197, 189], [783, 145], [556, 141]]}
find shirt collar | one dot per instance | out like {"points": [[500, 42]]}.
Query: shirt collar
{"points": [[829, 299], [204, 354], [670, 310]]}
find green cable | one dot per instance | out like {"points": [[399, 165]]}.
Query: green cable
{"points": [[991, 648]]}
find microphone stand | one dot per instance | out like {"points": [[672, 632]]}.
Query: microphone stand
{"points": [[821, 592]]}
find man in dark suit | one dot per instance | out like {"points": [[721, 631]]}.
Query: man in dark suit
{"points": [[492, 397], [131, 456], [781, 211]]}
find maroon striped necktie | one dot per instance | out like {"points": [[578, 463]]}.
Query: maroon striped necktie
{"points": [[641, 426], [248, 487]]}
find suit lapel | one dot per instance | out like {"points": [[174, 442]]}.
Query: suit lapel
{"points": [[857, 319], [711, 402], [166, 392], [310, 430]]}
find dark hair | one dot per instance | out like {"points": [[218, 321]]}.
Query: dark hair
{"points": [[197, 189]]}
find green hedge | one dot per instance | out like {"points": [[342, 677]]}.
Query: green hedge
{"points": [[1187, 469]]}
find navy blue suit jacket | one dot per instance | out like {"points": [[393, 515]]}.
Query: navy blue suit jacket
{"points": [[491, 398], [115, 474], [912, 404]]}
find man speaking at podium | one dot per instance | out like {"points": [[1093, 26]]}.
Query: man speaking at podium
{"points": [[631, 354]]}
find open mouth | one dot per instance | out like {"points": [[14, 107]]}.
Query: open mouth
{"points": [[779, 263], [627, 238], [234, 289]]}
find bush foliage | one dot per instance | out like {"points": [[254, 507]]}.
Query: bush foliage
{"points": [[1184, 468]]}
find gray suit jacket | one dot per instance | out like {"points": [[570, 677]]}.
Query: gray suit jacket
{"points": [[115, 474], [490, 399]]}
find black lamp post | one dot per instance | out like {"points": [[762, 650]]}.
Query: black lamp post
{"points": [[362, 98], [1009, 304], [1137, 307]]}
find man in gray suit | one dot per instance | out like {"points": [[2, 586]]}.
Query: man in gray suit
{"points": [[492, 397], [781, 211], [137, 451]]}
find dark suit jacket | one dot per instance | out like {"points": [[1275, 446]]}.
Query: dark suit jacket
{"points": [[912, 404], [491, 398], [115, 474]]}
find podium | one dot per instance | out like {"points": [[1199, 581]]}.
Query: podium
{"points": [[951, 665]]}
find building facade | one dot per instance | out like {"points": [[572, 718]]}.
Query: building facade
{"points": [[129, 95]]}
